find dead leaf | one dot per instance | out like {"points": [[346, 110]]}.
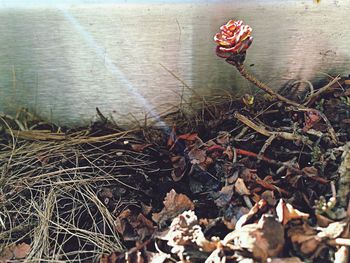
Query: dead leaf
{"points": [[286, 212], [146, 209], [225, 196], [13, 251], [306, 237], [223, 138], [311, 118], [197, 156], [156, 257], [21, 251], [333, 230], [342, 255], [248, 175], [216, 256], [133, 226], [174, 204], [179, 165], [263, 239], [241, 188], [229, 153], [269, 196], [172, 137], [184, 232], [310, 171], [139, 147], [323, 221], [112, 258], [7, 253], [258, 208], [285, 260]]}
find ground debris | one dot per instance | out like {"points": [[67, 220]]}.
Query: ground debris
{"points": [[248, 180]]}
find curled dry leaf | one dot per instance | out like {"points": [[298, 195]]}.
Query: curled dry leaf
{"points": [[258, 208], [263, 239], [133, 226], [286, 212], [174, 204], [241, 188], [185, 232]]}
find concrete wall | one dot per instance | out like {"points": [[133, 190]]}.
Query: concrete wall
{"points": [[62, 61]]}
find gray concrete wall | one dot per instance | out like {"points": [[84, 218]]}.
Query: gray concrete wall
{"points": [[62, 61]]}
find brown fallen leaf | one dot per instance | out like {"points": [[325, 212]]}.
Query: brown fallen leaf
{"points": [[323, 221], [311, 118], [133, 226], [13, 251], [21, 251], [263, 239], [286, 212], [306, 237], [269, 196], [197, 156], [139, 147], [185, 232], [174, 204], [179, 165]]}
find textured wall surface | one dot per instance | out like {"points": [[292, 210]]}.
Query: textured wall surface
{"points": [[63, 61]]}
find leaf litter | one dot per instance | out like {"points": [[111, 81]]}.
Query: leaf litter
{"points": [[233, 182]]}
